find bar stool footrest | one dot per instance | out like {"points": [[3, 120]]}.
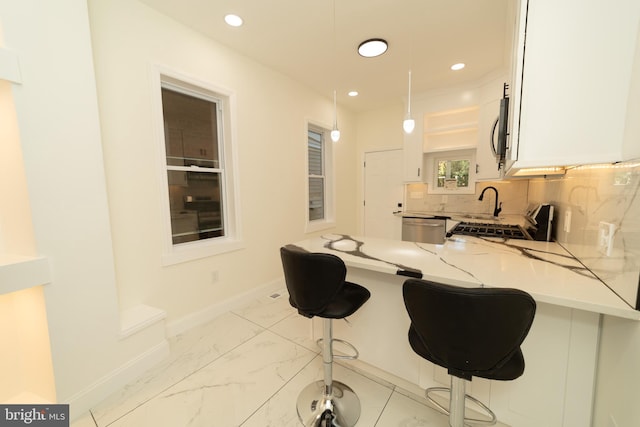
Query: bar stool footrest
{"points": [[353, 356], [489, 422]]}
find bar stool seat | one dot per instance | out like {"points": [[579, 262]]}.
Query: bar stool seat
{"points": [[317, 287], [472, 332]]}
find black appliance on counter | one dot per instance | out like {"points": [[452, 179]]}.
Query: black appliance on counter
{"points": [[541, 219]]}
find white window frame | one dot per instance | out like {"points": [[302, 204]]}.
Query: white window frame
{"points": [[329, 182], [225, 99], [432, 161]]}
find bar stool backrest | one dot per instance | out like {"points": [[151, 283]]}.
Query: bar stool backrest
{"points": [[313, 279], [469, 331]]}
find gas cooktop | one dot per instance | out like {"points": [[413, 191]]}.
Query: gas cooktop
{"points": [[508, 231]]}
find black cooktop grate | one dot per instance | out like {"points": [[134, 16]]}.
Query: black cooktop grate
{"points": [[509, 231]]}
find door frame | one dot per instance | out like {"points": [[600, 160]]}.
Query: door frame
{"points": [[361, 204]]}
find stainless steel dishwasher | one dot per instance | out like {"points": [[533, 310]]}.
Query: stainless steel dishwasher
{"points": [[424, 230]]}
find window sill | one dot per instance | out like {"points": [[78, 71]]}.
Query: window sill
{"points": [[186, 252]]}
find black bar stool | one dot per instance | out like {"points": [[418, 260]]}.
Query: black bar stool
{"points": [[317, 287], [473, 332]]}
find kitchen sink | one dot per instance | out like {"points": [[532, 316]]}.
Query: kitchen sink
{"points": [[508, 231]]}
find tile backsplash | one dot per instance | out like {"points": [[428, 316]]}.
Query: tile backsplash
{"points": [[586, 200], [512, 194]]}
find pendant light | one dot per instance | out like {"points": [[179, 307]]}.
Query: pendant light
{"points": [[408, 124], [335, 133]]}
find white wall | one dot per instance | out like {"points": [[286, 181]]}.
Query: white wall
{"points": [[129, 39], [377, 130], [91, 168], [16, 229], [105, 245], [381, 129], [57, 114]]}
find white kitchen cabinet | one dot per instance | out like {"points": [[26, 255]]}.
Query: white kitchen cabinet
{"points": [[454, 120], [578, 68], [486, 163], [412, 154]]}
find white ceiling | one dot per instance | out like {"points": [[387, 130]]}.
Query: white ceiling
{"points": [[297, 38]]}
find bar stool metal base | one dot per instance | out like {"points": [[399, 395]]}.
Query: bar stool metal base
{"points": [[340, 409], [456, 410]]}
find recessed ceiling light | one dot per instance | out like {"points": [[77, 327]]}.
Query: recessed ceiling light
{"points": [[353, 93], [233, 20], [372, 48], [458, 66]]}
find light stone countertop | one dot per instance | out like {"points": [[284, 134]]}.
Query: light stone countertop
{"points": [[543, 269]]}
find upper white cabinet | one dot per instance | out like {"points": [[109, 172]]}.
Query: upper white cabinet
{"points": [[412, 155], [576, 86], [453, 120]]}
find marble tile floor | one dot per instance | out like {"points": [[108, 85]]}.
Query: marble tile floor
{"points": [[245, 368]]}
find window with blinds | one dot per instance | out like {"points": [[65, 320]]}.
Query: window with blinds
{"points": [[315, 150]]}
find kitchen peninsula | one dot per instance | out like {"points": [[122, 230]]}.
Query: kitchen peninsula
{"points": [[557, 388]]}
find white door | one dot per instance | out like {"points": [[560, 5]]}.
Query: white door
{"points": [[383, 191]]}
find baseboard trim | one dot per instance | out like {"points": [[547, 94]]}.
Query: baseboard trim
{"points": [[138, 318], [84, 400], [209, 313], [81, 402]]}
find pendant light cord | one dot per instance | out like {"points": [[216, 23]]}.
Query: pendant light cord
{"points": [[335, 111], [335, 133], [409, 96]]}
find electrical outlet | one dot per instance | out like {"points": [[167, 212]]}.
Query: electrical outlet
{"points": [[214, 277], [606, 231], [567, 221]]}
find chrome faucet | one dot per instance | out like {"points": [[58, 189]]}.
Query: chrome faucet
{"points": [[496, 209]]}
